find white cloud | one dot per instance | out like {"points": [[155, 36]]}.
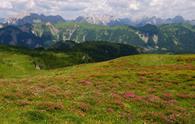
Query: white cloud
{"points": [[134, 5], [6, 5], [119, 8]]}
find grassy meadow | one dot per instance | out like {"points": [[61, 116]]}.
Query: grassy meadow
{"points": [[138, 89]]}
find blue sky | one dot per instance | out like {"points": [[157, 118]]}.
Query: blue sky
{"points": [[120, 8]]}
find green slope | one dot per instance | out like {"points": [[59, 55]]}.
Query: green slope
{"points": [[133, 89], [14, 64], [19, 61], [177, 37]]}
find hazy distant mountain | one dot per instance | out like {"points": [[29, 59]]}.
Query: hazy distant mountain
{"points": [[105, 20], [159, 21], [81, 19], [175, 20], [34, 18], [111, 21], [2, 20], [153, 21], [123, 21], [192, 22], [99, 20]]}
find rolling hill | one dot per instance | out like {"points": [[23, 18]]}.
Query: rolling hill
{"points": [[21, 61]]}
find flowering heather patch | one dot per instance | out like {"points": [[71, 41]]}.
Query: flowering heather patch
{"points": [[154, 79], [142, 79], [180, 109], [23, 103], [151, 90], [129, 95], [50, 106], [117, 100], [168, 84], [143, 74], [153, 98], [54, 91], [138, 98], [119, 103], [167, 96], [14, 96], [171, 102], [127, 115], [116, 96], [84, 107], [133, 97], [110, 110], [152, 117], [185, 96], [85, 82]]}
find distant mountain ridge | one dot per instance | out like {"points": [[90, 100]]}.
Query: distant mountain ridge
{"points": [[99, 20], [111, 21], [32, 18]]}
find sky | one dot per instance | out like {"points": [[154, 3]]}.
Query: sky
{"points": [[70, 9]]}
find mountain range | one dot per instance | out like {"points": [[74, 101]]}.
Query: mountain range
{"points": [[36, 18], [99, 20], [153, 35], [112, 21]]}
